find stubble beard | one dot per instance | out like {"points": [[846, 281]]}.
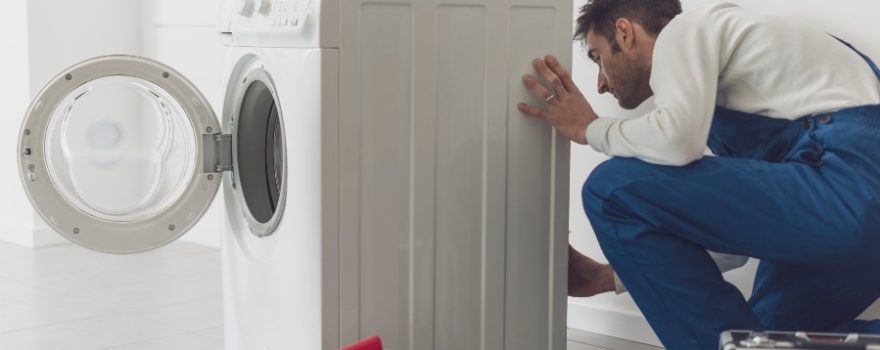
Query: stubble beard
{"points": [[637, 76]]}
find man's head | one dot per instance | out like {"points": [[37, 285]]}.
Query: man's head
{"points": [[619, 36]]}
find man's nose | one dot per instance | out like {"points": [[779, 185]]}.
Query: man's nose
{"points": [[603, 84]]}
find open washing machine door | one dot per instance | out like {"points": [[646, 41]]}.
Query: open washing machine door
{"points": [[121, 154]]}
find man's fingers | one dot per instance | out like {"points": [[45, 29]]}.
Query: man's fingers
{"points": [[561, 72], [532, 111], [549, 76], [537, 88]]}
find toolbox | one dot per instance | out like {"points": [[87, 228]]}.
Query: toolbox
{"points": [[739, 339]]}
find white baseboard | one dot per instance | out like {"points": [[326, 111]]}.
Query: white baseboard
{"points": [[18, 236], [616, 324], [44, 236]]}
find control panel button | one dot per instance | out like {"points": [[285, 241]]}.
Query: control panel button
{"points": [[264, 7], [244, 7]]}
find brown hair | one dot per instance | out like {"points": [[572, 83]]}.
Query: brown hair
{"points": [[601, 16]]}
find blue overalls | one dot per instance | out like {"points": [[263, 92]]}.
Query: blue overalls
{"points": [[802, 196]]}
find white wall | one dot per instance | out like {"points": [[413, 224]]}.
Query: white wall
{"points": [[65, 32], [45, 36], [183, 34], [62, 33], [853, 20], [18, 219]]}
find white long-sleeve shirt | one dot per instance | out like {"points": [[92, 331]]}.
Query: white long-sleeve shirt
{"points": [[723, 55]]}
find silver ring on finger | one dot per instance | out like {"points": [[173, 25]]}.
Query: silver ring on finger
{"points": [[550, 98]]}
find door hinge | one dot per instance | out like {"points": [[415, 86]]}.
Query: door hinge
{"points": [[218, 152]]}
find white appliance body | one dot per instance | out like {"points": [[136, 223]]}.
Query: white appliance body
{"points": [[436, 214], [274, 286], [453, 206], [408, 197]]}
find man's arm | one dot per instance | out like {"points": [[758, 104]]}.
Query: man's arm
{"points": [[587, 277], [684, 78]]}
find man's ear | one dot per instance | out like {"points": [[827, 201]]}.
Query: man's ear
{"points": [[625, 33]]}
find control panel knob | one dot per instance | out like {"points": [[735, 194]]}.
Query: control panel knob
{"points": [[264, 7], [244, 7]]}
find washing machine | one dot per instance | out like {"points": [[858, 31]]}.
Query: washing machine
{"points": [[377, 176], [280, 273]]}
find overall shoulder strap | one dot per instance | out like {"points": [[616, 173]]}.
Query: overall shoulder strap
{"points": [[865, 57]]}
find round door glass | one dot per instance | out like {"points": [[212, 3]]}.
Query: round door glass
{"points": [[120, 149]]}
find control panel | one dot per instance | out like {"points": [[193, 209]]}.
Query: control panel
{"points": [[244, 16], [280, 23]]}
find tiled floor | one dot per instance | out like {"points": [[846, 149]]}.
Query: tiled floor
{"points": [[67, 297], [580, 340]]}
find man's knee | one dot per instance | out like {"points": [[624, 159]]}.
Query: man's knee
{"points": [[608, 177], [612, 175]]}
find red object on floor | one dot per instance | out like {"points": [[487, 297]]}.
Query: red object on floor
{"points": [[371, 343]]}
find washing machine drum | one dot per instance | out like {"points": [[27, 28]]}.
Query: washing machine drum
{"points": [[123, 154], [259, 154]]}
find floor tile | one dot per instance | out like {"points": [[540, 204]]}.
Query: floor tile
{"points": [[68, 297], [76, 275], [45, 311], [130, 328], [571, 345], [606, 342], [13, 292], [210, 339], [152, 294]]}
